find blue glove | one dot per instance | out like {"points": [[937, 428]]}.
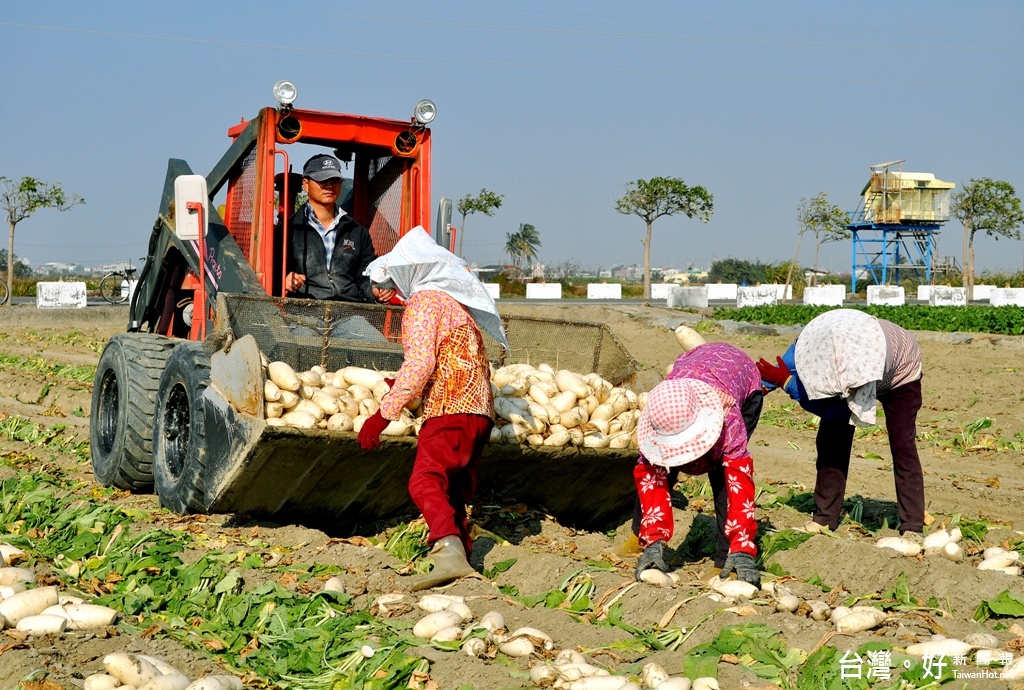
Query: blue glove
{"points": [[652, 557], [745, 567]]}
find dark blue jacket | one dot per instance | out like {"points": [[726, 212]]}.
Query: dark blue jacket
{"points": [[353, 250]]}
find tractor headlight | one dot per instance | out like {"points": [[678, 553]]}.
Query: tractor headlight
{"points": [[285, 92], [424, 112]]}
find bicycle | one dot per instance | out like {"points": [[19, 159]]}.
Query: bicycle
{"points": [[5, 293], [115, 286]]}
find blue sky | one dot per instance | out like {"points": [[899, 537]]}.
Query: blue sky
{"points": [[555, 105]]}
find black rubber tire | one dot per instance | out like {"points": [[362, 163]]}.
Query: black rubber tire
{"points": [[123, 403], [179, 430], [110, 288], [5, 293]]}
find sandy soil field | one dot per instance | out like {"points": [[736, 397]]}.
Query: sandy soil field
{"points": [[973, 475]]}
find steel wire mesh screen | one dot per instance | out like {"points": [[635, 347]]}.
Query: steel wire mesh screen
{"points": [[386, 177], [241, 194], [305, 333]]}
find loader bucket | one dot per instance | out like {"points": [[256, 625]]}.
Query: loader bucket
{"points": [[324, 477]]}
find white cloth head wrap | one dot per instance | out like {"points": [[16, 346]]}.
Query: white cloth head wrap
{"points": [[418, 263], [842, 352]]}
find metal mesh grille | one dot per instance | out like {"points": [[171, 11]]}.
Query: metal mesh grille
{"points": [[385, 190], [305, 333], [241, 193]]}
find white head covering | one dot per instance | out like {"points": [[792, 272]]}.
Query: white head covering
{"points": [[842, 352], [418, 263]]}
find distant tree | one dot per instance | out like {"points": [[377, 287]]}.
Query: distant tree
{"points": [[566, 269], [989, 205], [513, 248], [663, 196], [486, 202], [826, 221], [529, 241], [20, 200], [21, 269], [738, 271]]}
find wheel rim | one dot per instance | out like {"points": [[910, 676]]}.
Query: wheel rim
{"points": [[177, 425], [109, 403]]}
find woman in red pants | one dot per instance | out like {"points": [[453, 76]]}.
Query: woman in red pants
{"points": [[446, 366]]}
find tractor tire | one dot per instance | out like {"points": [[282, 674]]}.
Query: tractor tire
{"points": [[123, 403], [179, 430]]}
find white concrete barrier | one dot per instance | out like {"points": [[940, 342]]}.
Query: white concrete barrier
{"points": [[607, 291], [1006, 297], [758, 296], [782, 291], [696, 296], [924, 293], [661, 290], [62, 295], [825, 295], [493, 289], [886, 295], [725, 291], [945, 296], [983, 292], [543, 291]]}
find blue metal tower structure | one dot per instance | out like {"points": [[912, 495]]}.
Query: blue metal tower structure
{"points": [[896, 227]]}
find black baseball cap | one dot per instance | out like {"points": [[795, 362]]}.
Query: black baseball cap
{"points": [[322, 167]]}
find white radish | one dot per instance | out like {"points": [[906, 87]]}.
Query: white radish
{"points": [[945, 647], [570, 381], [300, 419], [674, 683], [449, 634], [540, 638], [129, 668], [655, 577], [900, 545], [217, 682], [1015, 671], [361, 376], [652, 674], [820, 611], [282, 374], [936, 540], [475, 647], [953, 551], [309, 378], [9, 575], [595, 439], [491, 621], [10, 554], [543, 675], [310, 407], [8, 591], [42, 624], [569, 656], [170, 681], [84, 616], [289, 399], [999, 561], [705, 683], [733, 588], [982, 641], [991, 551], [688, 338], [27, 603], [334, 584], [788, 603], [339, 422], [563, 401], [859, 619], [429, 625], [161, 665], [516, 647], [100, 681], [326, 402]]}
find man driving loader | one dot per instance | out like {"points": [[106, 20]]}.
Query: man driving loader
{"points": [[328, 250]]}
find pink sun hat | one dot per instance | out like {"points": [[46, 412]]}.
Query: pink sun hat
{"points": [[681, 421]]}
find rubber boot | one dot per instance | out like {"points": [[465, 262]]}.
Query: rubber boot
{"points": [[450, 563]]}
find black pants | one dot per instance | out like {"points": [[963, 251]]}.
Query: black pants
{"points": [[835, 443], [751, 412]]}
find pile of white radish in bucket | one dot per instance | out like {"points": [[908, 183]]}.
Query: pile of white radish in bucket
{"points": [[537, 406], [126, 671], [449, 619]]}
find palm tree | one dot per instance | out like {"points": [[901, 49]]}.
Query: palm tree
{"points": [[513, 247], [529, 240]]}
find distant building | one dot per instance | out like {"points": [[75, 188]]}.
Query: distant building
{"points": [[57, 268]]}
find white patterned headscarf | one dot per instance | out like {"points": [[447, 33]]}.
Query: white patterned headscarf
{"points": [[842, 353], [418, 263]]}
